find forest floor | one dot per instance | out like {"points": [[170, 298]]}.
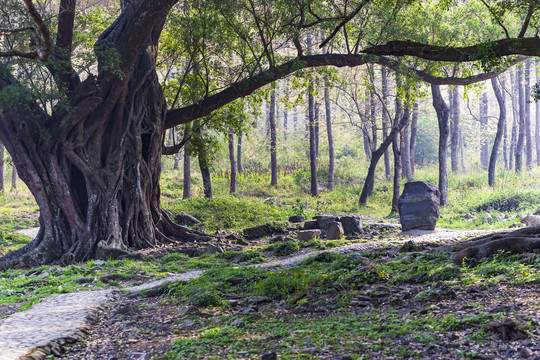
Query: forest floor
{"points": [[393, 297]]}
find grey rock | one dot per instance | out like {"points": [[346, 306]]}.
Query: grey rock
{"points": [[343, 357], [501, 217], [183, 218], [126, 310], [525, 352], [105, 252], [419, 206], [257, 299], [238, 323], [488, 218], [306, 235], [269, 356], [311, 225], [323, 221], [256, 232], [213, 249], [297, 218], [351, 224], [531, 220], [334, 231]]}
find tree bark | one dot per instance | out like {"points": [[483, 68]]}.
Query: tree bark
{"points": [[232, 159], [500, 129], [316, 128], [13, 177], [442, 116], [273, 139], [331, 159], [484, 139], [406, 153]]}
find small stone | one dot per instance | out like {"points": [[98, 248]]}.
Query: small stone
{"points": [[127, 309], [269, 356], [306, 235], [295, 219], [238, 323], [488, 218], [257, 299], [525, 353], [343, 357], [213, 249]]}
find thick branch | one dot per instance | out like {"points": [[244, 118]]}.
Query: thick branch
{"points": [[247, 86], [345, 21], [530, 11], [517, 46], [46, 41], [61, 66]]}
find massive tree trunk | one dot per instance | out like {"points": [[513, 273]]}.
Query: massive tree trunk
{"points": [[442, 116], [331, 159], [500, 129], [273, 139]]}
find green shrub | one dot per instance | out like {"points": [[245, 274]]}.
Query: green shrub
{"points": [[285, 248]]}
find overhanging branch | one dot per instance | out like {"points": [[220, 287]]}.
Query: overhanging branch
{"points": [[247, 86]]}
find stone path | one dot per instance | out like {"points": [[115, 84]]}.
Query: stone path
{"points": [[38, 331]]}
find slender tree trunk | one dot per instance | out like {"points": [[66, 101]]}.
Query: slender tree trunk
{"points": [[397, 171], [317, 131], [330, 137], [521, 119], [312, 141], [187, 173], [528, 132], [414, 131], [537, 127], [1, 167], [273, 139], [232, 158], [442, 116], [386, 122], [285, 122], [500, 129], [515, 116], [13, 177], [505, 134], [239, 154], [406, 153], [295, 119], [484, 140], [462, 150], [400, 121], [373, 118], [455, 127], [205, 174]]}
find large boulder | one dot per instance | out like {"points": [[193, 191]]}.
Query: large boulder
{"points": [[256, 232], [351, 224], [334, 231], [311, 224], [419, 206], [295, 219]]}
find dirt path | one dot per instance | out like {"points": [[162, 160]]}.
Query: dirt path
{"points": [[60, 319]]}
